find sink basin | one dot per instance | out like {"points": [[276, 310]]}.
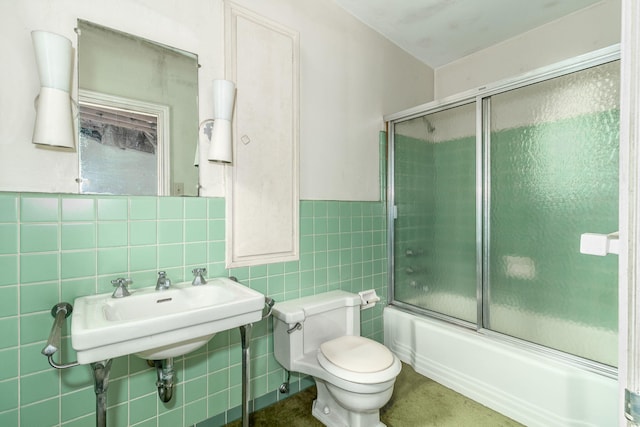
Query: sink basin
{"points": [[157, 325]]}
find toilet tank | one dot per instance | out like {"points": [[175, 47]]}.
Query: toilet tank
{"points": [[322, 317]]}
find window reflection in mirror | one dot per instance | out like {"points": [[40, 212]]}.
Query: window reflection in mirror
{"points": [[124, 77], [121, 146]]}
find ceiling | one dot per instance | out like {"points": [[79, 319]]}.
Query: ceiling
{"points": [[438, 32]]}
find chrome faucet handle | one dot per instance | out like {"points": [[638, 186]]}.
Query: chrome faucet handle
{"points": [[198, 276], [163, 281], [121, 287]]}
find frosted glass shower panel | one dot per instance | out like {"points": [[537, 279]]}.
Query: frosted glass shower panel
{"points": [[553, 174], [435, 231]]}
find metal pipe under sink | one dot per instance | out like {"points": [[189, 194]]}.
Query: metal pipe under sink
{"points": [[165, 372]]}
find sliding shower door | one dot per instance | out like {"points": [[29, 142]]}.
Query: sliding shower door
{"points": [[435, 231], [490, 197], [553, 175]]}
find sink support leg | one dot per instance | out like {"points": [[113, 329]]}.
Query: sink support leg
{"points": [[101, 372], [245, 337]]}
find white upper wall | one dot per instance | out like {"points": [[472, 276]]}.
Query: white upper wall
{"points": [[26, 167], [587, 30], [350, 77]]}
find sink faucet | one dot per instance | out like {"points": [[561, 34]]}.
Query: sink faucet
{"points": [[198, 276], [121, 290], [163, 282]]}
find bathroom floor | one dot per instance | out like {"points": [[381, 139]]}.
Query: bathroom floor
{"points": [[417, 401]]}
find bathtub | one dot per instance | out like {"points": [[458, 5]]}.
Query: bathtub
{"points": [[531, 388]]}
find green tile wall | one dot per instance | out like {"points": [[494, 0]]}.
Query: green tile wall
{"points": [[435, 242], [56, 247]]}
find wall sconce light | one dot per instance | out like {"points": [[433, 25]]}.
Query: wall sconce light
{"points": [[219, 133], [54, 118]]}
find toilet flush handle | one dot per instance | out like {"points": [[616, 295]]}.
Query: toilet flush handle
{"points": [[295, 327]]}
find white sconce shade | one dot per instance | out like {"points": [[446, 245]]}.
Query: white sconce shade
{"points": [[221, 148], [54, 117]]}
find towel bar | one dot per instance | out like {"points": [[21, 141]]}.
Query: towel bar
{"points": [[60, 312]]}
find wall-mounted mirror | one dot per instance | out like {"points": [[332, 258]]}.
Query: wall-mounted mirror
{"points": [[138, 115]]}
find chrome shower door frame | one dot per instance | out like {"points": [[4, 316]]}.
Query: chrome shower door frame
{"points": [[482, 99]]}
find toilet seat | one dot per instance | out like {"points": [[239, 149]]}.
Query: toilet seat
{"points": [[358, 359]]}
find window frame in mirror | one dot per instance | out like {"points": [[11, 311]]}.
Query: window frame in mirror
{"points": [[162, 114]]}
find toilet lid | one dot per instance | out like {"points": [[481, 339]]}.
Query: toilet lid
{"points": [[357, 354]]}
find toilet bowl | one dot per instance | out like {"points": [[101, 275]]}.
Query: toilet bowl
{"points": [[354, 375]]}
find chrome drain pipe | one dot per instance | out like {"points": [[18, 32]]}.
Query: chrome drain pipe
{"points": [[164, 369]]}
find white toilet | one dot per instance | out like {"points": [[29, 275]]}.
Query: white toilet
{"points": [[320, 336]]}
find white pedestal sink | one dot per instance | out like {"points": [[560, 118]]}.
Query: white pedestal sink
{"points": [[158, 325]]}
